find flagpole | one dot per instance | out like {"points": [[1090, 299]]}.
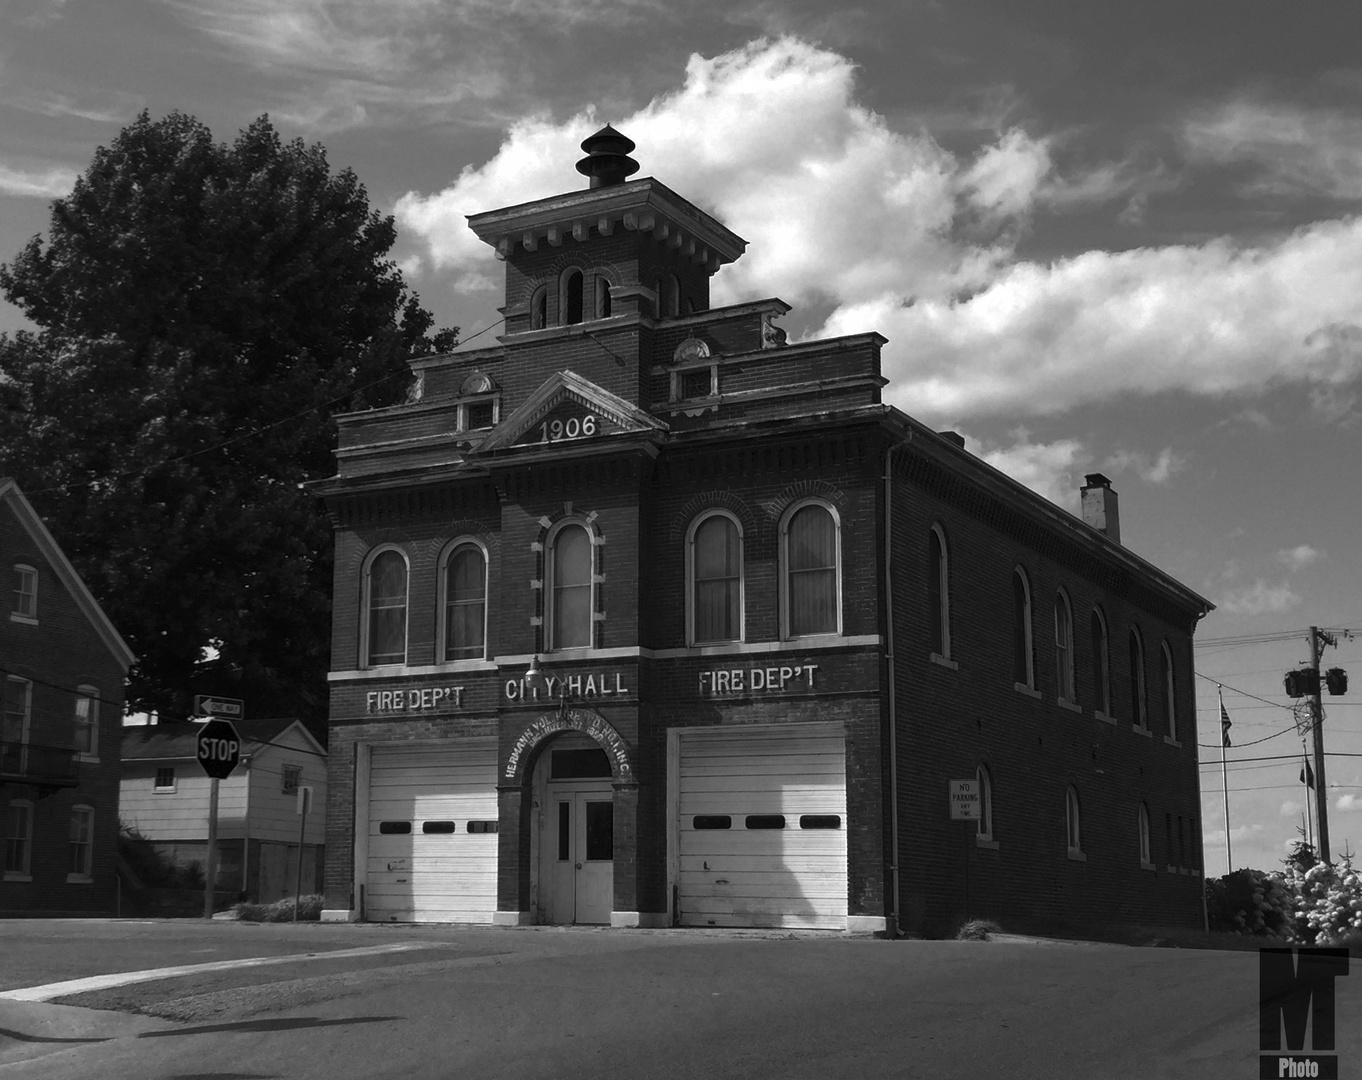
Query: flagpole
{"points": [[1225, 778], [1309, 817]]}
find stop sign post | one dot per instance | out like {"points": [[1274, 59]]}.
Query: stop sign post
{"points": [[218, 748]]}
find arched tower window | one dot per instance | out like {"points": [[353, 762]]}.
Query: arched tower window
{"points": [[570, 297], [602, 297], [539, 308]]}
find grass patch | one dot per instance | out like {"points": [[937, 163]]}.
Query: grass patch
{"points": [[309, 910]]}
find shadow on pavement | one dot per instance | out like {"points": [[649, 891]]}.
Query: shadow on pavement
{"points": [[19, 1036], [283, 1024]]}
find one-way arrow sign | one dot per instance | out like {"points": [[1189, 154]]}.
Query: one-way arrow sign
{"points": [[212, 705]]}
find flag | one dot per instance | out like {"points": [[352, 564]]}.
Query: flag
{"points": [[1308, 775], [1224, 725]]}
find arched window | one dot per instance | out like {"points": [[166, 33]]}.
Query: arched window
{"points": [[938, 593], [385, 605], [1071, 814], [1146, 856], [86, 722], [18, 838], [464, 584], [1139, 710], [539, 308], [673, 295], [1170, 711], [602, 297], [1023, 652], [25, 592], [1064, 648], [570, 297], [81, 864], [810, 550], [569, 588], [985, 823], [1101, 663], [661, 298], [715, 560]]}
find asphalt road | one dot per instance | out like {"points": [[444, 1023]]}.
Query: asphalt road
{"points": [[492, 1003]]}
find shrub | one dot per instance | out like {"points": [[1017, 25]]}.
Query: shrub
{"points": [[1250, 901], [1328, 908], [309, 910], [978, 930]]}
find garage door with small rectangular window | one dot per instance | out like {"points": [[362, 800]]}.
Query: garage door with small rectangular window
{"points": [[432, 833], [761, 828]]}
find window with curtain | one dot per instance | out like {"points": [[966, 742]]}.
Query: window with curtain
{"points": [[1170, 712], [465, 603], [1101, 663], [86, 739], [1064, 649], [387, 616], [570, 589], [1023, 664], [811, 571], [938, 593], [1139, 715], [716, 562]]}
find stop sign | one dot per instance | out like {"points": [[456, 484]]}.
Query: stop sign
{"points": [[218, 748]]}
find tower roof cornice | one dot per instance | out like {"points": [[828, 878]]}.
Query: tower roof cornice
{"points": [[644, 205]]}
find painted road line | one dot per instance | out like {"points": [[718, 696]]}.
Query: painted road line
{"points": [[125, 978]]}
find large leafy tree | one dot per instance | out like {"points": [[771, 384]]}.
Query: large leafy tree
{"points": [[203, 311]]}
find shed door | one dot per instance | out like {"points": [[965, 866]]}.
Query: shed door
{"points": [[762, 829], [432, 833]]}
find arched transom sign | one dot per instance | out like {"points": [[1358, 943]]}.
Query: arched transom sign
{"points": [[588, 723]]}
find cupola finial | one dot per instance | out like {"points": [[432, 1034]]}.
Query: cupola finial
{"points": [[607, 162]]}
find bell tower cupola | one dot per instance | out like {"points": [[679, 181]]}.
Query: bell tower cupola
{"points": [[607, 159]]}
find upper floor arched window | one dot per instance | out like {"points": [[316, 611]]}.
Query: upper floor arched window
{"points": [[1101, 663], [602, 297], [1142, 823], [1170, 708], [714, 558], [570, 296], [985, 824], [1023, 650], [1071, 814], [1064, 648], [810, 547], [938, 593], [463, 583], [673, 288], [568, 591], [384, 624], [1139, 709]]}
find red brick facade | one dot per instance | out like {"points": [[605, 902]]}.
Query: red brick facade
{"points": [[707, 411], [65, 652]]}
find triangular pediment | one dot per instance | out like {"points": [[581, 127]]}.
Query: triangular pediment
{"points": [[569, 409]]}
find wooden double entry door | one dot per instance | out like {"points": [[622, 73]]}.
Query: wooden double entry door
{"points": [[577, 852]]}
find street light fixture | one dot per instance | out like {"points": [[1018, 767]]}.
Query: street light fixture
{"points": [[537, 681]]}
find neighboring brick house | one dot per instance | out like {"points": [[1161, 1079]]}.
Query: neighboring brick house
{"points": [[62, 667], [785, 615], [165, 797]]}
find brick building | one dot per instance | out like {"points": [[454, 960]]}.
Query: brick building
{"points": [[62, 667], [645, 616]]}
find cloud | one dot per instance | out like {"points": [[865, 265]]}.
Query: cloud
{"points": [[112, 107], [1155, 471], [1297, 152], [1046, 468], [1260, 598], [1291, 808], [1213, 837], [47, 183], [1349, 802], [890, 232], [1299, 557]]}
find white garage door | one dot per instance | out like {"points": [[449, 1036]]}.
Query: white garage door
{"points": [[432, 833], [762, 828]]}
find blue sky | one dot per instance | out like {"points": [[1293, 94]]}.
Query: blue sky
{"points": [[1098, 235]]}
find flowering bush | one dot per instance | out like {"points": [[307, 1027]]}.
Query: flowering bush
{"points": [[1328, 901], [1251, 901]]}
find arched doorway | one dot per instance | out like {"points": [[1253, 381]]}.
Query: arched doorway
{"points": [[573, 861]]}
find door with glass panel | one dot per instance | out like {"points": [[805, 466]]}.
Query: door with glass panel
{"points": [[577, 854]]}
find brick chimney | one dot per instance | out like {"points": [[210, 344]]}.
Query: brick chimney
{"points": [[1099, 506]]}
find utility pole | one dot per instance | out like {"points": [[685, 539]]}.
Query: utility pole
{"points": [[1317, 716]]}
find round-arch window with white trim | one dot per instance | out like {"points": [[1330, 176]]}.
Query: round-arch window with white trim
{"points": [[1101, 662], [1064, 648], [1072, 821], [569, 590], [1023, 644], [714, 573], [463, 601], [939, 592], [985, 823], [384, 623], [811, 569]]}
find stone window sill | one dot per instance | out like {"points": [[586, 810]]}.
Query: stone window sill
{"points": [[986, 845], [1144, 731], [1029, 691], [1077, 856], [1072, 706], [1100, 715], [945, 662]]}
